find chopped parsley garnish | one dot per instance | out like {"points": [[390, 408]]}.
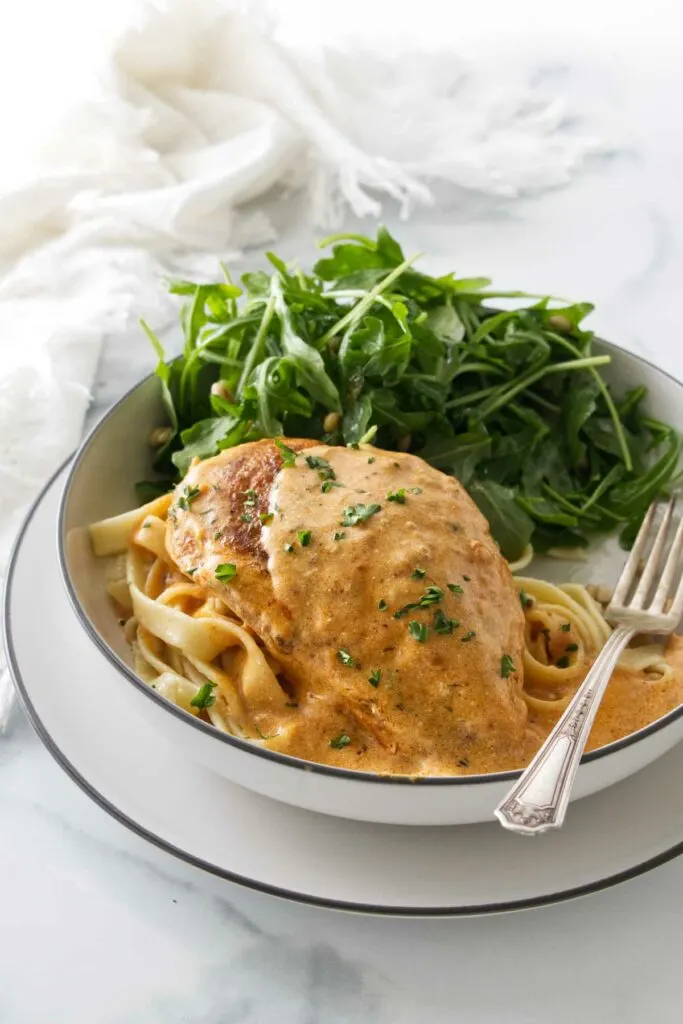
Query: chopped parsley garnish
{"points": [[382, 605], [339, 535], [251, 497], [371, 460], [416, 490], [375, 677], [291, 704], [191, 572], [444, 625], [217, 535], [507, 666], [288, 548], [398, 496], [304, 537], [340, 741], [355, 514], [467, 579], [345, 658], [566, 627], [266, 517], [417, 630], [226, 571], [418, 574], [187, 497], [562, 662], [325, 470], [288, 455], [455, 588], [432, 595], [146, 526], [468, 636], [244, 518], [571, 648], [327, 485], [525, 600], [204, 697]]}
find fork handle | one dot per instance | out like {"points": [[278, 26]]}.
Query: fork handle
{"points": [[538, 801]]}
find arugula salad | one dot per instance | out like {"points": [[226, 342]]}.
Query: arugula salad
{"points": [[512, 402]]}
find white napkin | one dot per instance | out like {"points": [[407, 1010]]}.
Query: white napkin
{"points": [[199, 113]]}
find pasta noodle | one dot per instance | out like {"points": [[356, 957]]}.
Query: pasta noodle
{"points": [[190, 647]]}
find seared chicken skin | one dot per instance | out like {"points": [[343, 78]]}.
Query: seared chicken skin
{"points": [[373, 582]]}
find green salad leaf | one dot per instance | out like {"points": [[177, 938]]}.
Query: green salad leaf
{"points": [[512, 401]]}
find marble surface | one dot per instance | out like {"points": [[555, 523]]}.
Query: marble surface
{"points": [[98, 927]]}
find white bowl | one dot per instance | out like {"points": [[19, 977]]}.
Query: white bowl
{"points": [[100, 484]]}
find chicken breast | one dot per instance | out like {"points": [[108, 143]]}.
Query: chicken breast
{"points": [[373, 581]]}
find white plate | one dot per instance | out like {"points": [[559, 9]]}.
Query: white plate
{"points": [[132, 772]]}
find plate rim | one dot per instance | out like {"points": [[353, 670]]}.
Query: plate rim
{"points": [[208, 730], [360, 908]]}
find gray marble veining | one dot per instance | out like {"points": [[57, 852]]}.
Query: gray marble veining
{"points": [[96, 927]]}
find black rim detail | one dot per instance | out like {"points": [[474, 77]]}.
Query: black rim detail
{"points": [[271, 755], [249, 883]]}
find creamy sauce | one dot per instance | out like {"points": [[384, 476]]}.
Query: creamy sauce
{"points": [[442, 706], [631, 702], [359, 689]]}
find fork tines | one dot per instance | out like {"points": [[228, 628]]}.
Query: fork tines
{"points": [[657, 569]]}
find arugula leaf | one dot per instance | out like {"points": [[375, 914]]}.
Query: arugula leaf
{"points": [[511, 401], [510, 525]]}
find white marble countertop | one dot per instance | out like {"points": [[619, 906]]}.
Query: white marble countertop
{"points": [[98, 927]]}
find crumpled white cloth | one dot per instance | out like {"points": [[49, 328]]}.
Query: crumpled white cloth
{"points": [[199, 114]]}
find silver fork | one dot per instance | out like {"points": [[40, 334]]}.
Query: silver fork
{"points": [[538, 800]]}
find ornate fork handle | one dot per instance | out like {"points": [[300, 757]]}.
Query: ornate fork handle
{"points": [[539, 800]]}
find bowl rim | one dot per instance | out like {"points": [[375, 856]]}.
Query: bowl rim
{"points": [[348, 774]]}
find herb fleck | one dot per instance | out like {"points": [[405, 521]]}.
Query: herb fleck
{"points": [[187, 497], [444, 625], [226, 571], [419, 574], [345, 658], [432, 595], [562, 662], [304, 537], [266, 517], [191, 572], [244, 518], [355, 514], [327, 485], [325, 471], [371, 460], [507, 666], [417, 630], [291, 704], [288, 548], [572, 647], [455, 588], [416, 490], [288, 455], [525, 600], [339, 535], [398, 496], [204, 697], [566, 627], [468, 636], [340, 741], [382, 605], [375, 677]]}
